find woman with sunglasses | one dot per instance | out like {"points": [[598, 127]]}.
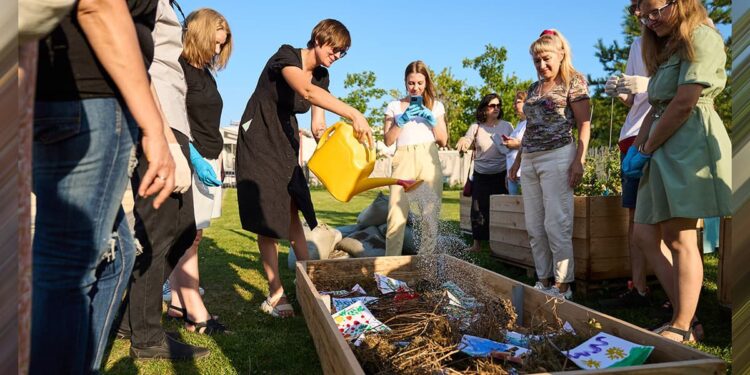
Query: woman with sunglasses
{"points": [[486, 136], [271, 188], [551, 160], [416, 124], [682, 151]]}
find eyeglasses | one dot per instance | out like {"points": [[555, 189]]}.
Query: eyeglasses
{"points": [[654, 14], [493, 105], [341, 51]]}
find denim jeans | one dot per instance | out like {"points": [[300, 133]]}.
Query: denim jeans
{"points": [[80, 167]]}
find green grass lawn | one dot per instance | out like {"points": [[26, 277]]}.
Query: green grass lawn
{"points": [[235, 285]]}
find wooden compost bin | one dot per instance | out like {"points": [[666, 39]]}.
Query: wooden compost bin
{"points": [[668, 357], [464, 213], [600, 242]]}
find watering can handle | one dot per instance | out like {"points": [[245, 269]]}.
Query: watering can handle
{"points": [[324, 136]]}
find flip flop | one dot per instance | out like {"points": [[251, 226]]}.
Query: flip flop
{"points": [[277, 312]]}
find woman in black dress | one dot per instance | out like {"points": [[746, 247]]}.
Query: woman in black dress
{"points": [[271, 187]]}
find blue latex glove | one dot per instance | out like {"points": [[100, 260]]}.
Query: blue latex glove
{"points": [[633, 163], [411, 112], [203, 170], [427, 115]]}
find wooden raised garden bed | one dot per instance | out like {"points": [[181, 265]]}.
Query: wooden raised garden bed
{"points": [[600, 243], [336, 357]]}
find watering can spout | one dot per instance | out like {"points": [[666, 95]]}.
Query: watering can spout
{"points": [[343, 164], [371, 183]]}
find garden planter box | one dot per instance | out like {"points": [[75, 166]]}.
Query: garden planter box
{"points": [[336, 357], [600, 229], [464, 213]]}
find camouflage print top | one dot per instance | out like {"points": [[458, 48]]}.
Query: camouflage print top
{"points": [[549, 117]]}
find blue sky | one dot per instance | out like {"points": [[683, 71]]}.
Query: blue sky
{"points": [[387, 35]]}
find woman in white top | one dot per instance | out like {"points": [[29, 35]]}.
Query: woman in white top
{"points": [[487, 137], [416, 124], [513, 143]]}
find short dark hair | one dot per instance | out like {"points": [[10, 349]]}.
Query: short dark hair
{"points": [[331, 32], [481, 115]]}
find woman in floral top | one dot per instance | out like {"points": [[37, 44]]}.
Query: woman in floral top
{"points": [[551, 162]]}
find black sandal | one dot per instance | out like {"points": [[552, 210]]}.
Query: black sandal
{"points": [[684, 333], [181, 310], [209, 327]]}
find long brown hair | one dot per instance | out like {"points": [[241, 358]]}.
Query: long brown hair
{"points": [[689, 15], [199, 39], [429, 89], [553, 41]]}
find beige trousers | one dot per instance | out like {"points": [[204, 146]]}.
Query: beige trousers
{"points": [[420, 161], [548, 210]]}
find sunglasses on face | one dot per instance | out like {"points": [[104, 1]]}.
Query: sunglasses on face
{"points": [[493, 106], [654, 14], [340, 51]]}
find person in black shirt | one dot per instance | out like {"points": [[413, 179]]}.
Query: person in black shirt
{"points": [[207, 47], [92, 95], [271, 187]]}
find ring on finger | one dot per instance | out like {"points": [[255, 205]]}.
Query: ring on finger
{"points": [[162, 178]]}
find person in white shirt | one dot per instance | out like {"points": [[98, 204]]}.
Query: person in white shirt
{"points": [[513, 142], [486, 136], [416, 124]]}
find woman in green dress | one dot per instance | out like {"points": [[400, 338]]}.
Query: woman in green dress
{"points": [[683, 150]]}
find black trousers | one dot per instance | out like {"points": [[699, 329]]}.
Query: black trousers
{"points": [[482, 186], [165, 235]]}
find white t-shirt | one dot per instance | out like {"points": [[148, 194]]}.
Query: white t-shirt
{"points": [[637, 113], [517, 133], [489, 157], [416, 131]]}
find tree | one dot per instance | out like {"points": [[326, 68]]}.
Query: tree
{"points": [[361, 97], [491, 67], [459, 99]]}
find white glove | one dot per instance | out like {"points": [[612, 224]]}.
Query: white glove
{"points": [[631, 85], [610, 88], [182, 174]]}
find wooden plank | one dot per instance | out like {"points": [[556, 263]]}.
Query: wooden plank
{"points": [[606, 206], [511, 220], [333, 351], [669, 357], [580, 206], [602, 268], [581, 248], [724, 287], [580, 227], [506, 203], [608, 226], [609, 247], [464, 212], [509, 236], [518, 255]]}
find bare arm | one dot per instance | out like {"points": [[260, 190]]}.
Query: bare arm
{"points": [[582, 113], [390, 131], [677, 111], [109, 29], [645, 128], [317, 122], [440, 131], [317, 96]]}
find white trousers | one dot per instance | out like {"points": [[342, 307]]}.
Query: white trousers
{"points": [[548, 207]]}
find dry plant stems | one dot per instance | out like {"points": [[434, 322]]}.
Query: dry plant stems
{"points": [[424, 340]]}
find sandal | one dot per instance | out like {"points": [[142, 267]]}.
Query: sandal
{"points": [[686, 335], [277, 311], [698, 332], [209, 327]]}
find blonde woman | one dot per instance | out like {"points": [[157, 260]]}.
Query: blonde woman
{"points": [[551, 160], [416, 124], [682, 152], [207, 46]]}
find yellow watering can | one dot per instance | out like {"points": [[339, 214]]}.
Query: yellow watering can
{"points": [[343, 164]]}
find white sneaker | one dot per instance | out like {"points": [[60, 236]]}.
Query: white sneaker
{"points": [[568, 294], [540, 286], [166, 292]]}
